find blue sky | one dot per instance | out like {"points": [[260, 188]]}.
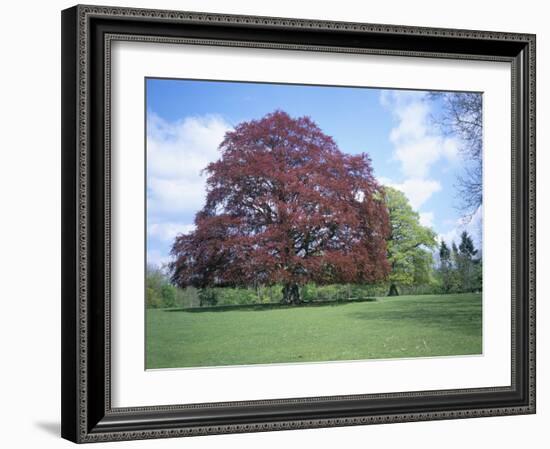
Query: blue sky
{"points": [[186, 121]]}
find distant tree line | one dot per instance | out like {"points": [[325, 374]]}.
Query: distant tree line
{"points": [[460, 268], [160, 293], [290, 218]]}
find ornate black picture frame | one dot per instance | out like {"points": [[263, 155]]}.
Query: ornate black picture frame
{"points": [[87, 33]]}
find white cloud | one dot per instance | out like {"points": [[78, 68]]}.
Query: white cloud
{"points": [[176, 196], [416, 157], [418, 191], [390, 98], [167, 231], [417, 146], [177, 152], [427, 219]]}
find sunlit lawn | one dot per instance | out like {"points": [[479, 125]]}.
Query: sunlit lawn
{"points": [[404, 326]]}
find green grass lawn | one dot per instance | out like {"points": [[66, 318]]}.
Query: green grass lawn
{"points": [[404, 326]]}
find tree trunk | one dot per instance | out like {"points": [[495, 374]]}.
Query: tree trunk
{"points": [[291, 294], [393, 290]]}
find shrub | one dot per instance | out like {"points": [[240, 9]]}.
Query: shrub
{"points": [[168, 295], [208, 296], [152, 298]]}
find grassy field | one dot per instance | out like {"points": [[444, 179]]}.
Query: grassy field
{"points": [[404, 326]]}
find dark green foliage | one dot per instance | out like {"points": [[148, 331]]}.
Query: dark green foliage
{"points": [[235, 296], [466, 246], [227, 296], [444, 253], [309, 293], [466, 262], [477, 277], [168, 294], [393, 290], [445, 268], [341, 292], [208, 296], [460, 271]]}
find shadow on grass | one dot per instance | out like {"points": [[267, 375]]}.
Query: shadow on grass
{"points": [[440, 313], [261, 307]]}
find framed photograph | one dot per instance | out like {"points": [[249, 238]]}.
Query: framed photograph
{"points": [[276, 224]]}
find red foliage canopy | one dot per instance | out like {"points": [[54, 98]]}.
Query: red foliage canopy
{"points": [[284, 204]]}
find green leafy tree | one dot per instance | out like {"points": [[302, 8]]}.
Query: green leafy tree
{"points": [[461, 268], [168, 294], [154, 277], [409, 244], [152, 298], [208, 296], [454, 254], [159, 292], [478, 275], [466, 262], [455, 283]]}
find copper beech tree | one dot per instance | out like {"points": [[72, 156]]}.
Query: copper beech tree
{"points": [[285, 206]]}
